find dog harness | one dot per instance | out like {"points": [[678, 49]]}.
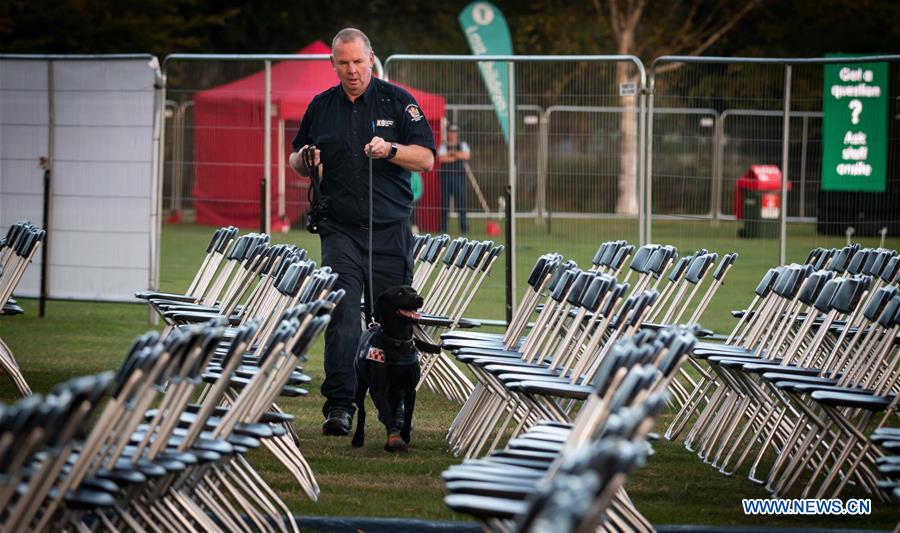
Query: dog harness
{"points": [[395, 351]]}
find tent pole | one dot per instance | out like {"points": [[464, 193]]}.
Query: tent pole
{"points": [[267, 146], [282, 199]]}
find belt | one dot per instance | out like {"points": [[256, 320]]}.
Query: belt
{"points": [[365, 225]]}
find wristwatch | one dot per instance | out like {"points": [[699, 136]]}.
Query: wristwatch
{"points": [[393, 151]]}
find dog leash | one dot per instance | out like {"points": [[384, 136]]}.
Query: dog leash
{"points": [[372, 322]]}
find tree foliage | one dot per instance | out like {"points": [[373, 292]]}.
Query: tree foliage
{"points": [[107, 26], [773, 27]]}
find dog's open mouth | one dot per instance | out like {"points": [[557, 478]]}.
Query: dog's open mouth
{"points": [[412, 315]]}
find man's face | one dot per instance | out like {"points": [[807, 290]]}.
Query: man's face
{"points": [[353, 65], [452, 137]]}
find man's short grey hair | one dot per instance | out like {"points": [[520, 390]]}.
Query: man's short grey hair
{"points": [[351, 34]]}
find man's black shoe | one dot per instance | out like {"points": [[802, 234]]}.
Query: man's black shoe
{"points": [[337, 423]]}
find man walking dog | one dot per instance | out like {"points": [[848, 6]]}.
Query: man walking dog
{"points": [[361, 117]]}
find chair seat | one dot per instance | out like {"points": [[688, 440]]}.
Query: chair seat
{"points": [[869, 402], [564, 390], [524, 369], [887, 433], [487, 352], [807, 388], [89, 499], [890, 471], [146, 295], [11, 309], [764, 368], [812, 380], [496, 490], [525, 454], [485, 506]]}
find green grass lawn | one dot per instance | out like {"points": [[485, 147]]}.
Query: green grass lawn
{"points": [[675, 487]]}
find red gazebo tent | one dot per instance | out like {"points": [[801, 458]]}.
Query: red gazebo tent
{"points": [[229, 139]]}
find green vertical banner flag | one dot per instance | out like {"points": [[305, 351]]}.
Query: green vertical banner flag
{"points": [[854, 127], [486, 30]]}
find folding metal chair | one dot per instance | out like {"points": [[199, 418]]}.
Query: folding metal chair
{"points": [[808, 384], [628, 394], [17, 248]]}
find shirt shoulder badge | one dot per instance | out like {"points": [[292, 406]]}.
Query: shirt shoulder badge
{"points": [[415, 114]]}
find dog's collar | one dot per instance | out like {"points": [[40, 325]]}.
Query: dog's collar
{"points": [[395, 343]]}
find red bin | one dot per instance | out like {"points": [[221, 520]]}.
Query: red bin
{"points": [[757, 201]]}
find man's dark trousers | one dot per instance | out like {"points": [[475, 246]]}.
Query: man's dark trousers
{"points": [[345, 250], [453, 183]]}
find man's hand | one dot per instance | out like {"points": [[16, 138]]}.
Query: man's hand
{"points": [[303, 159], [311, 157], [378, 148]]}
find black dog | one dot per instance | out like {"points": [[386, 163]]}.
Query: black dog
{"points": [[387, 362]]}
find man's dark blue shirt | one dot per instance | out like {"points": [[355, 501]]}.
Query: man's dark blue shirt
{"points": [[341, 129]]}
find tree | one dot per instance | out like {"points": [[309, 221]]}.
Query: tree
{"points": [[158, 27], [685, 27]]}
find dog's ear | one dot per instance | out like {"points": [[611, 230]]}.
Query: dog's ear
{"points": [[427, 346]]}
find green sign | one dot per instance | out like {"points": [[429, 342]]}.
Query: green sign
{"points": [[487, 33], [854, 127]]}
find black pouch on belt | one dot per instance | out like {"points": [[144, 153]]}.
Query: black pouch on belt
{"points": [[317, 209]]}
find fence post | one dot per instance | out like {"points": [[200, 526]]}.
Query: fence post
{"points": [[785, 145], [511, 222], [543, 165], [643, 157], [647, 195], [804, 141], [48, 192], [158, 171]]}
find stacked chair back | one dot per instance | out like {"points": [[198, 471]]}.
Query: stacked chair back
{"points": [[577, 317], [168, 449], [17, 248], [256, 283], [569, 475], [448, 274], [808, 371]]}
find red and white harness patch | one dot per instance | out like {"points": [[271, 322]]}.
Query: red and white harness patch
{"points": [[375, 354]]}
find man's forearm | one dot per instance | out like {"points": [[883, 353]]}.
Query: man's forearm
{"points": [[414, 158]]}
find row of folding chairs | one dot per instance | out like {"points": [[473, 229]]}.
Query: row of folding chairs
{"points": [[167, 451], [811, 367], [245, 279], [17, 248], [201, 289], [576, 324], [569, 476], [448, 274], [888, 439]]}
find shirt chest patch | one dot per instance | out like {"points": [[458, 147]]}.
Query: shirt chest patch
{"points": [[384, 123]]}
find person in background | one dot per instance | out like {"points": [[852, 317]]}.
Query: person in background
{"points": [[453, 154]]}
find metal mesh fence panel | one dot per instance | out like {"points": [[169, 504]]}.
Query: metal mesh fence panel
{"points": [[215, 160], [576, 146], [695, 164], [731, 131]]}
